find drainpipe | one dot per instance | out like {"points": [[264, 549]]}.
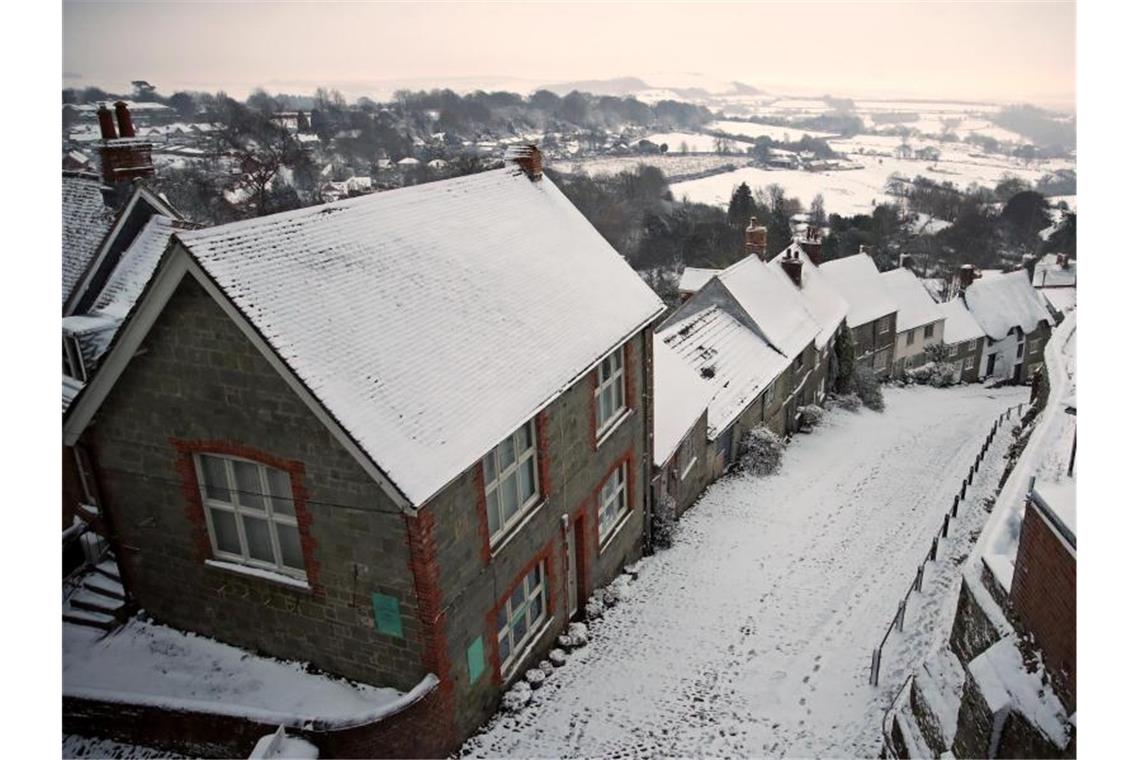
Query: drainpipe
{"points": [[647, 456]]}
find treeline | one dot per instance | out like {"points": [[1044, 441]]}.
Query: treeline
{"points": [[1040, 126]]}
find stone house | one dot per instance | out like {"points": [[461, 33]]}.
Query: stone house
{"points": [[749, 333], [872, 313], [680, 429], [397, 435], [919, 324], [1014, 320], [964, 339]]}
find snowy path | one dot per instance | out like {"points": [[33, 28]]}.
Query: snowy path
{"points": [[752, 635]]}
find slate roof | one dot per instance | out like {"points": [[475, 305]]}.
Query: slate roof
{"points": [[433, 320], [135, 266], [823, 301], [86, 220], [857, 279], [735, 362], [916, 307], [694, 278], [1001, 302]]}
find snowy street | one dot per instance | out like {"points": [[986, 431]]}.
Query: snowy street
{"points": [[753, 634]]}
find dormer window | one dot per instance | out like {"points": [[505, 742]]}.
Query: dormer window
{"points": [[73, 359]]}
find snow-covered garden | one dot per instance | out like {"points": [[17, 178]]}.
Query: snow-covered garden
{"points": [[752, 635]]}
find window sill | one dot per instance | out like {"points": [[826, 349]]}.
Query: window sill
{"points": [[257, 572], [613, 426], [512, 668], [688, 468], [498, 544], [614, 531]]}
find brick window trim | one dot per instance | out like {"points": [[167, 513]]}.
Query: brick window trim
{"points": [[196, 511], [545, 555], [626, 458], [542, 451]]}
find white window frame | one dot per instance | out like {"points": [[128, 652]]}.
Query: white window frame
{"points": [[1034, 345], [885, 326], [612, 387], [496, 476], [614, 493], [73, 359], [533, 586], [241, 511], [910, 337], [927, 331], [972, 345], [875, 363], [969, 362]]}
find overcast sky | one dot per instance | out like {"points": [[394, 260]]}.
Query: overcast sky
{"points": [[1005, 51]]}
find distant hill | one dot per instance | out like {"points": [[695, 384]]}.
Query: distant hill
{"points": [[618, 86]]}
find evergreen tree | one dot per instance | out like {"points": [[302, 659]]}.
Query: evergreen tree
{"points": [[742, 207]]}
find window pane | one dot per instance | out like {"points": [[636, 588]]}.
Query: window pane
{"points": [[214, 474], [257, 538], [535, 577], [225, 531], [504, 648], [526, 479], [606, 371], [282, 492], [248, 484], [493, 520], [536, 609], [518, 598], [528, 434], [506, 453], [508, 492], [519, 628], [290, 540], [489, 473], [501, 619]]}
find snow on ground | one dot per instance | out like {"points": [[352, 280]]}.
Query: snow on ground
{"points": [[671, 164], [753, 634], [752, 129], [147, 663], [693, 142]]}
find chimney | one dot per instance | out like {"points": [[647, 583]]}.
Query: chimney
{"points": [[1028, 262], [812, 244], [966, 275], [529, 159], [123, 116], [794, 266], [864, 249], [905, 261], [1063, 260], [106, 123], [756, 239]]}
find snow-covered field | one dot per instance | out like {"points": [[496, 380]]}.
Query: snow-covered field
{"points": [[751, 129], [695, 142], [671, 165], [752, 635]]}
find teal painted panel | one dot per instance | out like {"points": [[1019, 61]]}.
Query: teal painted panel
{"points": [[387, 612], [475, 660]]}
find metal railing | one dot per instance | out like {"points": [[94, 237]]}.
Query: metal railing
{"points": [[899, 620]]}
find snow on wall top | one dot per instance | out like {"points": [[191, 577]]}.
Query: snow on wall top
{"points": [[86, 220], [1048, 272], [679, 397], [1001, 302], [825, 304], [857, 280], [960, 324], [1005, 682], [729, 357], [432, 320], [773, 303], [916, 307], [694, 278]]}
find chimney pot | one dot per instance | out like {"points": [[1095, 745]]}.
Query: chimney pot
{"points": [[123, 116], [966, 275], [794, 268], [812, 244], [106, 123]]}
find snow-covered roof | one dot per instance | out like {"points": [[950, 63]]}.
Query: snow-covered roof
{"points": [[916, 307], [729, 357], [409, 161], [694, 278], [825, 304], [773, 303], [136, 266], [431, 321], [960, 324], [857, 279], [86, 220], [1049, 272], [71, 388], [1061, 299], [1001, 302], [679, 398]]}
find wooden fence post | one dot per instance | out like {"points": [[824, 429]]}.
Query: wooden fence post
{"points": [[946, 526], [875, 655]]}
